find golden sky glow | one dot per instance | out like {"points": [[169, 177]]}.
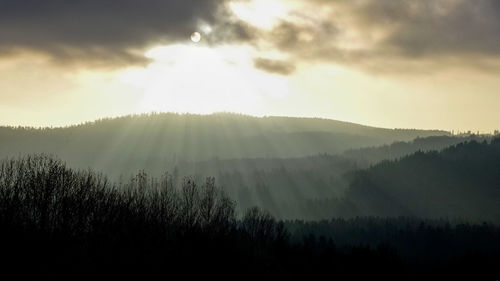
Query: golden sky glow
{"points": [[289, 61]]}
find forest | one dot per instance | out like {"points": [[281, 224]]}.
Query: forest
{"points": [[280, 164], [61, 223], [115, 199], [158, 141]]}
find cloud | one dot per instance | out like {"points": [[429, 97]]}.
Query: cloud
{"points": [[436, 27], [102, 32], [274, 66], [391, 35], [372, 34]]}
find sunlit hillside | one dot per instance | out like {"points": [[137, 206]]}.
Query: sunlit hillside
{"points": [[156, 141]]}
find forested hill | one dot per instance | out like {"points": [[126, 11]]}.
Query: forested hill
{"points": [[371, 155], [460, 181], [130, 143]]}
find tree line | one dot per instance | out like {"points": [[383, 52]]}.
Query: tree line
{"points": [[60, 223]]}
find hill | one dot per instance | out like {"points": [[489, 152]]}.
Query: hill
{"points": [[371, 155], [460, 181], [156, 141], [291, 187]]}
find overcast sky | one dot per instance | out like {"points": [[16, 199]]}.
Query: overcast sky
{"points": [[406, 63]]}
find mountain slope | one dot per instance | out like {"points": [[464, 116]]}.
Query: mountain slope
{"points": [[371, 155], [153, 142], [460, 181]]}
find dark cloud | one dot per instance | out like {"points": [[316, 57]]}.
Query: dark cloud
{"points": [[110, 31], [274, 66], [388, 34], [301, 41], [377, 33], [437, 27]]}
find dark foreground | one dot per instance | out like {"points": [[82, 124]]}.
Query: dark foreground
{"points": [[57, 223]]}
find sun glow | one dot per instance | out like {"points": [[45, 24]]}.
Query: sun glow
{"points": [[200, 79], [260, 13]]}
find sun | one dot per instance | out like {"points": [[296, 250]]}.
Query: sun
{"points": [[195, 37]]}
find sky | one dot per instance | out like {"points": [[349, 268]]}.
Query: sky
{"points": [[428, 64]]}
